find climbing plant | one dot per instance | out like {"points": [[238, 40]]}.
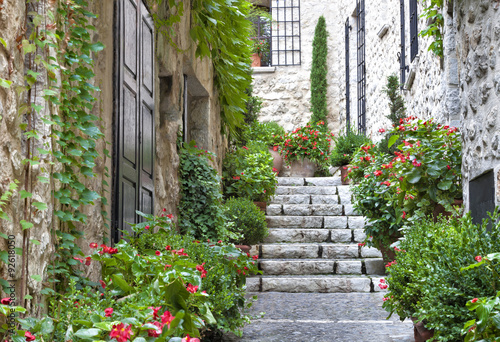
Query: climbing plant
{"points": [[433, 14], [318, 73]]}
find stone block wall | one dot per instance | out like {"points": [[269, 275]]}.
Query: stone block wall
{"points": [[478, 44]]}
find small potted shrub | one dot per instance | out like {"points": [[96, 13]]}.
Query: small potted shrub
{"points": [[345, 146], [306, 149], [259, 48], [271, 134]]}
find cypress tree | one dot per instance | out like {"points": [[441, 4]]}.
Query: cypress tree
{"points": [[318, 73]]}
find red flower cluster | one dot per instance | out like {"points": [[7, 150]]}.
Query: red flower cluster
{"points": [[382, 284], [191, 288], [121, 332], [108, 312], [86, 261], [236, 177], [201, 269], [478, 258], [107, 249], [6, 301], [29, 336], [391, 263], [361, 244]]}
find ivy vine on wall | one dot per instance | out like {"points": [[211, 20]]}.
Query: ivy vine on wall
{"points": [[433, 14]]}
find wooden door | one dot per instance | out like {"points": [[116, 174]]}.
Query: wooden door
{"points": [[134, 121]]}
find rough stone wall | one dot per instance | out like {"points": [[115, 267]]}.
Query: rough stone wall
{"points": [[478, 43], [434, 92]]}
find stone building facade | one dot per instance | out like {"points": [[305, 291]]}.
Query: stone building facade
{"points": [[150, 93], [460, 89]]}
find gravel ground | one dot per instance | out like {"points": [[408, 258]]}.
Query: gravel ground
{"points": [[324, 317]]}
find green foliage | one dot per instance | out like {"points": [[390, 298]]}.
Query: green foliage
{"points": [[260, 46], [312, 142], [318, 73], [248, 220], [433, 14], [200, 207], [6, 195], [427, 282], [267, 133], [253, 106], [345, 146], [248, 172]]}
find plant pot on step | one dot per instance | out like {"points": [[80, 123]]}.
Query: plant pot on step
{"points": [[262, 205], [420, 332], [255, 60], [343, 174], [244, 248], [277, 160], [302, 168], [439, 209]]}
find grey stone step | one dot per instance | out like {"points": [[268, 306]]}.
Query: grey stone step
{"points": [[323, 283], [305, 199], [294, 221], [313, 266], [312, 235], [306, 190], [312, 209], [317, 250], [291, 181], [323, 181]]}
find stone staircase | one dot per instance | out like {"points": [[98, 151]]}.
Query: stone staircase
{"points": [[313, 241]]}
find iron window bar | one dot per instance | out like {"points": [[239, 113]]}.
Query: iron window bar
{"points": [[286, 31], [413, 30], [360, 11], [347, 83], [403, 68]]}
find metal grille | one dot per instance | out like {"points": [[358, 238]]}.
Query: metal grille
{"points": [[413, 29], [263, 30], [347, 83], [285, 39], [360, 11], [401, 55]]}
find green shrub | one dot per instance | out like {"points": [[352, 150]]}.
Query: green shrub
{"points": [[200, 207], [248, 220], [248, 172], [345, 146], [318, 74], [269, 133], [426, 280]]}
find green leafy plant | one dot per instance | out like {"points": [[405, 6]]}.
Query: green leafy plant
{"points": [[318, 74], [345, 146], [268, 133], [248, 219], [427, 281], [248, 172], [200, 207], [397, 112], [433, 14], [260, 46], [311, 142]]}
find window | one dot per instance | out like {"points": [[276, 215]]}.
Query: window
{"points": [[347, 83], [262, 29], [360, 12], [401, 55], [413, 29], [134, 135], [285, 41]]}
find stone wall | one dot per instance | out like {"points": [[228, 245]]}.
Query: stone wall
{"points": [[478, 43], [170, 68]]}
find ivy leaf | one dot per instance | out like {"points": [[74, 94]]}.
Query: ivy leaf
{"points": [[26, 225], [43, 179], [4, 256], [39, 205], [35, 242], [5, 83], [3, 42], [96, 46], [392, 140], [28, 47], [36, 277], [25, 194], [4, 235]]}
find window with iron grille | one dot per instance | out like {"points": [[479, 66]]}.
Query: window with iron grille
{"points": [[347, 83], [262, 27], [413, 29], [360, 12], [285, 40], [401, 55]]}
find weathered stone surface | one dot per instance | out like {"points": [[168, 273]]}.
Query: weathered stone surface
{"points": [[253, 284], [297, 235], [348, 267], [355, 222], [294, 222], [324, 199], [290, 251], [375, 266], [323, 181], [290, 181], [296, 267], [326, 209], [274, 209], [306, 190], [345, 194], [316, 284], [297, 209], [334, 251], [337, 222], [291, 199], [370, 252], [359, 235], [349, 210], [341, 235]]}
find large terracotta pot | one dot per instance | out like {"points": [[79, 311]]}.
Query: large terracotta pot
{"points": [[277, 160], [302, 168], [420, 332], [262, 205], [343, 174], [255, 60]]}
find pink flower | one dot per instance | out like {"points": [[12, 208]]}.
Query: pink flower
{"points": [[378, 173], [166, 318], [191, 288], [474, 300], [255, 257], [236, 177], [448, 167], [190, 339], [170, 216], [416, 163], [108, 312], [6, 301], [29, 336], [155, 332], [93, 245], [121, 332], [404, 214], [103, 284], [383, 286], [246, 148], [381, 130], [168, 248], [147, 227], [87, 261], [158, 253], [155, 311], [361, 244], [164, 209], [385, 299], [478, 258]]}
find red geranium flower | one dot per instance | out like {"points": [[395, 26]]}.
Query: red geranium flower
{"points": [[29, 337], [190, 339], [103, 284], [158, 253], [155, 332], [155, 311], [87, 261], [478, 258], [120, 332], [6, 301], [93, 245], [108, 312], [474, 300], [166, 318], [191, 288]]}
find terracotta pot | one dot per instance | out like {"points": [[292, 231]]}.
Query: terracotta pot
{"points": [[302, 168], [244, 248], [255, 60], [277, 160], [262, 205], [420, 332], [343, 174], [439, 209], [388, 253]]}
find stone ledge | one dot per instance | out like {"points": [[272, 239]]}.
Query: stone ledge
{"points": [[263, 70]]}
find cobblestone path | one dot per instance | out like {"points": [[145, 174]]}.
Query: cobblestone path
{"points": [[324, 317]]}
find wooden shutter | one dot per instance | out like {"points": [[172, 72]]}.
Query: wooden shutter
{"points": [[134, 124]]}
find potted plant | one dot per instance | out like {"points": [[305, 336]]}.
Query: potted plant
{"points": [[270, 134], [346, 145], [248, 172], [306, 149], [260, 46]]}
